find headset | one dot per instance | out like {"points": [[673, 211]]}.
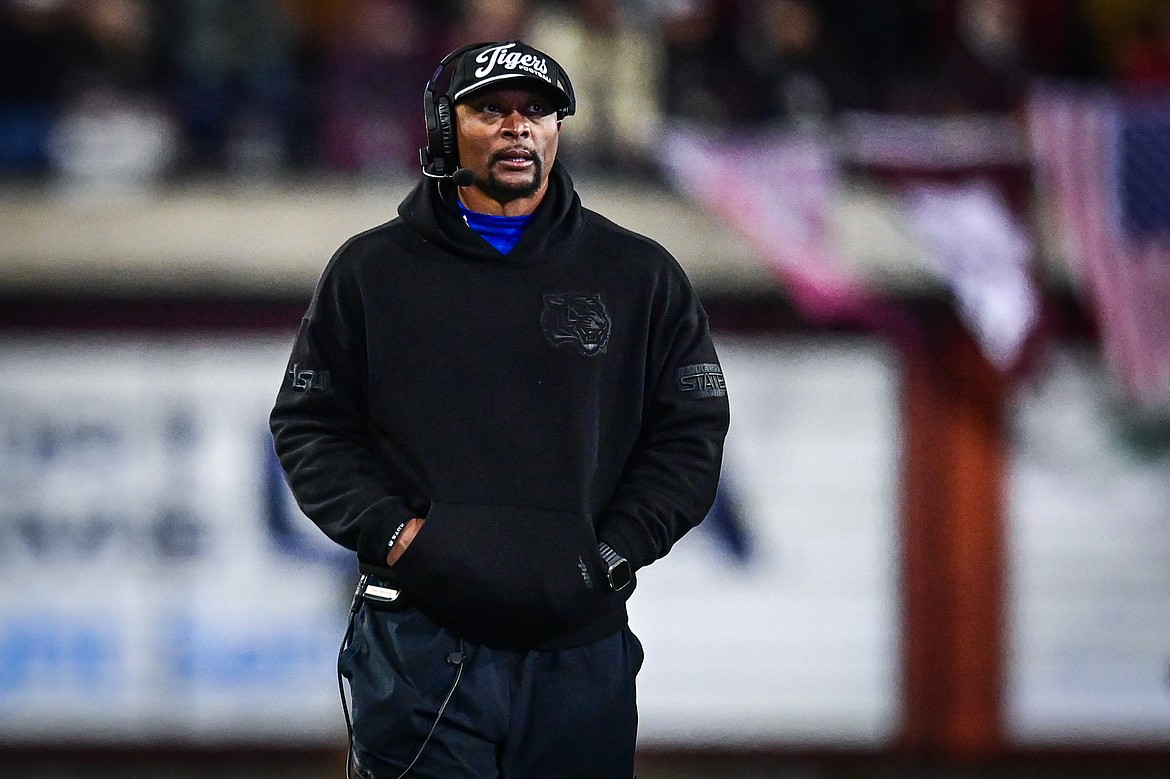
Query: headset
{"points": [[440, 157]]}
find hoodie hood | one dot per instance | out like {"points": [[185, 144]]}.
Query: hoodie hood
{"points": [[432, 210]]}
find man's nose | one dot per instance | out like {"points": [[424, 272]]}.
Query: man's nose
{"points": [[516, 125]]}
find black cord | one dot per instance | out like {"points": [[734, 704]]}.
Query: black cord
{"points": [[354, 606], [456, 658]]}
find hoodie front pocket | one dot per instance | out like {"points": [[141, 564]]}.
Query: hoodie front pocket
{"points": [[503, 574]]}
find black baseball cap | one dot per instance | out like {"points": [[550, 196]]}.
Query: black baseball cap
{"points": [[492, 64]]}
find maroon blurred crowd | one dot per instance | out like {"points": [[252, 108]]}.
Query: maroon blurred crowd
{"points": [[192, 86]]}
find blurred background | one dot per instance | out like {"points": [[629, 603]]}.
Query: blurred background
{"points": [[933, 238]]}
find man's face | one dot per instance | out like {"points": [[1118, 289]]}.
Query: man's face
{"points": [[508, 138]]}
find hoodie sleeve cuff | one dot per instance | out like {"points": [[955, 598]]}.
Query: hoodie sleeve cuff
{"points": [[628, 542], [380, 524]]}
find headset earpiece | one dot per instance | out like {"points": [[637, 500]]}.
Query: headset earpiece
{"points": [[440, 135], [446, 128], [441, 155]]}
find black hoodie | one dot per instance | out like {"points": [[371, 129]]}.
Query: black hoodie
{"points": [[528, 405]]}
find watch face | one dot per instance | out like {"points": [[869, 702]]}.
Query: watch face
{"points": [[620, 576]]}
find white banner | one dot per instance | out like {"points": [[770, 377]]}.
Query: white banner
{"points": [[777, 622], [148, 589], [157, 584], [1089, 606]]}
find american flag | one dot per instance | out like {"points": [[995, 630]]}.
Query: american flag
{"points": [[1103, 161], [776, 190]]}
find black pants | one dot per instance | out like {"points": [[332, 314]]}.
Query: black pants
{"points": [[558, 714]]}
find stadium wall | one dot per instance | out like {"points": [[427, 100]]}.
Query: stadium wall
{"points": [[895, 515]]}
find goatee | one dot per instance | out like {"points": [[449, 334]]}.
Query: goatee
{"points": [[504, 192]]}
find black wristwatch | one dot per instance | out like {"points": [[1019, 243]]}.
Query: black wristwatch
{"points": [[617, 569]]}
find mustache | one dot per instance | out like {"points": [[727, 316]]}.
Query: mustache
{"points": [[512, 150], [494, 187]]}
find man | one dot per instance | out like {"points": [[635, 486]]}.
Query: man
{"points": [[505, 404]]}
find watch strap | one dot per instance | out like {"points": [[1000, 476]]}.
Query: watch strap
{"points": [[611, 557]]}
